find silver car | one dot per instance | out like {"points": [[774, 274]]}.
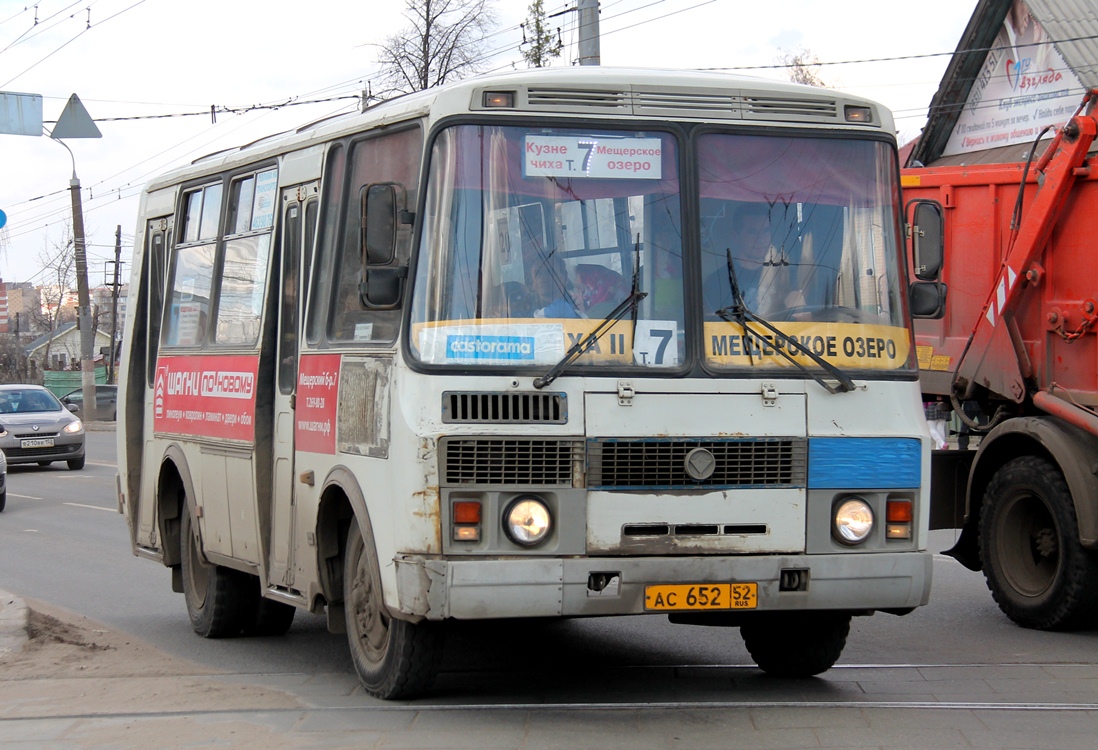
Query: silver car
{"points": [[36, 428]]}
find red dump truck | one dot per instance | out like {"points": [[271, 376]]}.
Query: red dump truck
{"points": [[1005, 258]]}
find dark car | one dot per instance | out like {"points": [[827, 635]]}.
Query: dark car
{"points": [[37, 428], [106, 402]]}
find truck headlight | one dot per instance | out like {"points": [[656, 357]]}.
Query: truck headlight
{"points": [[853, 521], [527, 521]]}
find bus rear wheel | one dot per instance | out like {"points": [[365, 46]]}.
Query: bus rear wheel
{"points": [[217, 597], [796, 644], [1038, 573], [393, 658]]}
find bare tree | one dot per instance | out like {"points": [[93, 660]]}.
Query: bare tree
{"points": [[539, 43], [444, 41], [802, 66], [58, 266]]}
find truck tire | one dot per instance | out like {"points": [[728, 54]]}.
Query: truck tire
{"points": [[1039, 574], [796, 644], [217, 597], [394, 658]]}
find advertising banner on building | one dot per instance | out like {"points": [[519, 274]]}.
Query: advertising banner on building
{"points": [[1025, 84]]}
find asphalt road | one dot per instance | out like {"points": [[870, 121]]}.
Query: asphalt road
{"points": [[63, 542]]}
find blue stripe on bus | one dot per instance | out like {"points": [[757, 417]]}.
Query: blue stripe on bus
{"points": [[864, 463]]}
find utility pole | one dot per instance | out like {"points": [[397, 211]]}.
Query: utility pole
{"points": [[83, 313], [75, 122], [589, 32], [114, 299]]}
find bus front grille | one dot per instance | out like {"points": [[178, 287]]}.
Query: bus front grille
{"points": [[504, 408], [522, 462], [666, 463]]}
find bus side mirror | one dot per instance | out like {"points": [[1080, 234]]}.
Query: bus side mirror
{"points": [[928, 299], [382, 284], [383, 287], [927, 240], [379, 222]]}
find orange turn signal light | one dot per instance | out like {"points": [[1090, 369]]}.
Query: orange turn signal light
{"points": [[899, 511], [467, 511]]}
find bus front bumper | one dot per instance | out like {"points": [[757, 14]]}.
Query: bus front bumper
{"points": [[436, 588]]}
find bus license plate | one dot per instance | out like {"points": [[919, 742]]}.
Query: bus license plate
{"points": [[37, 443], [701, 596]]}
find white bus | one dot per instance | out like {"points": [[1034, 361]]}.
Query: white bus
{"points": [[557, 343]]}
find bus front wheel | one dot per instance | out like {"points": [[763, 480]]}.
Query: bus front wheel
{"points": [[1038, 572], [394, 658], [216, 596], [796, 644]]}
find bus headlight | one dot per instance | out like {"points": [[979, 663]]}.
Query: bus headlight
{"points": [[527, 521], [853, 521]]}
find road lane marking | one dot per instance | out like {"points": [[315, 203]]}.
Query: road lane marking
{"points": [[93, 507], [25, 497]]}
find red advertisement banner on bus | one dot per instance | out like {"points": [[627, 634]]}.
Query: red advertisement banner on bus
{"points": [[317, 396], [206, 396]]}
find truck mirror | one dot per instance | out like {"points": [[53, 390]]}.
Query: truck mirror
{"points": [[379, 223], [927, 240], [927, 299]]}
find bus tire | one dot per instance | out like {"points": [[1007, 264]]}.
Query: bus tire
{"points": [[270, 618], [217, 597], [1038, 573], [393, 658], [796, 644]]}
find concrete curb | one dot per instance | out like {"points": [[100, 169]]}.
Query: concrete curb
{"points": [[13, 623]]}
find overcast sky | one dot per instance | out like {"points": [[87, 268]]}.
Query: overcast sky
{"points": [[167, 58]]}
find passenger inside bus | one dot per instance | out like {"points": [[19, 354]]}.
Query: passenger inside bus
{"points": [[599, 289], [763, 273], [552, 290]]}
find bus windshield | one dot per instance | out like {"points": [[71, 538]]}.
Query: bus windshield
{"points": [[809, 227], [533, 235]]}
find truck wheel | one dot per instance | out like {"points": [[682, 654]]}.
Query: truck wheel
{"points": [[216, 597], [800, 644], [1039, 574], [394, 658]]}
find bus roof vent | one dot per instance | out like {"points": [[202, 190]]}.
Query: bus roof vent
{"points": [[578, 100], [670, 103], [790, 108], [465, 407]]}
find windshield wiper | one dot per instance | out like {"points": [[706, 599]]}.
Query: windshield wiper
{"points": [[581, 346], [738, 312]]}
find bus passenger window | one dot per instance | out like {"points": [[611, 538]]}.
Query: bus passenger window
{"points": [[189, 303], [243, 286]]}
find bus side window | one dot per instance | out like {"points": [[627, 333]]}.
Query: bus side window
{"points": [[388, 158], [154, 282], [333, 202], [287, 335]]}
